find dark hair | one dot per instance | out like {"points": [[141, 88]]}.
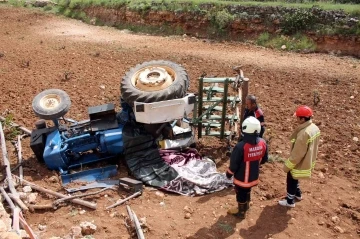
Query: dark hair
{"points": [[252, 98], [306, 118]]}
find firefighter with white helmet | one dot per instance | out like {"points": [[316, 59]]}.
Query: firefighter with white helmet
{"points": [[245, 161]]}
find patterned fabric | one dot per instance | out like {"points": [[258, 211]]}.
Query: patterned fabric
{"points": [[196, 175]]}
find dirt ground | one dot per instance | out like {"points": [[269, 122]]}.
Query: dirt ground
{"points": [[38, 50]]}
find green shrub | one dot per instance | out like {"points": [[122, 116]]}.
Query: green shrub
{"points": [[64, 3], [243, 15], [263, 39], [300, 20], [139, 5], [302, 42], [223, 18], [292, 43], [68, 13], [47, 8], [10, 132], [17, 3]]}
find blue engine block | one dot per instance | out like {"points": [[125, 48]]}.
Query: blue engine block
{"points": [[63, 153]]}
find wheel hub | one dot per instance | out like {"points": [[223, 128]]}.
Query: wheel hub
{"points": [[50, 101], [153, 77]]}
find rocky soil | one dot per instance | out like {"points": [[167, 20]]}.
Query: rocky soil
{"points": [[40, 51]]}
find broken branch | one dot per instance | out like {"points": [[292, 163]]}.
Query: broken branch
{"points": [[19, 149], [26, 227], [139, 231], [18, 201], [13, 191], [59, 195], [124, 200], [7, 198], [32, 208], [135, 220], [14, 210], [57, 202]]}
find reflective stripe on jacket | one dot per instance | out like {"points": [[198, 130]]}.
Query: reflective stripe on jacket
{"points": [[305, 142], [245, 161]]}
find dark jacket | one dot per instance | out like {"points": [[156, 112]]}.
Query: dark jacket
{"points": [[257, 113], [245, 161]]}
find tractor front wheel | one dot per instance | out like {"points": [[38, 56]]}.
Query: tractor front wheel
{"points": [[51, 104]]}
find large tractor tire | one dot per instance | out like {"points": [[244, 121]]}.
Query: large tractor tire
{"points": [[51, 104], [154, 81]]}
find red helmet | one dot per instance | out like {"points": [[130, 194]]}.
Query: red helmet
{"points": [[303, 111]]}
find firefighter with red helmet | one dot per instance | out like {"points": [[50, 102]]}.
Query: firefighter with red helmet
{"points": [[305, 142], [245, 161]]}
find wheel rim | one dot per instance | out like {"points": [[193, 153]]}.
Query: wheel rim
{"points": [[153, 78], [50, 101]]}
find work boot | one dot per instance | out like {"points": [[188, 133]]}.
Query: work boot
{"points": [[248, 201], [298, 194], [286, 203], [239, 211]]}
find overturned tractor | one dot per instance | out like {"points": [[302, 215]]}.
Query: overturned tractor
{"points": [[156, 110]]}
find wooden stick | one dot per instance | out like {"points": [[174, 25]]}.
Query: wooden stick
{"points": [[20, 158], [25, 130], [18, 201], [32, 208], [14, 209], [8, 172], [139, 231], [7, 198], [131, 216], [16, 220], [244, 93], [59, 195], [12, 170], [57, 202], [124, 200], [26, 227]]}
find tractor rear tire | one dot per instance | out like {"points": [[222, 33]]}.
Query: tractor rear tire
{"points": [[132, 87], [51, 104]]}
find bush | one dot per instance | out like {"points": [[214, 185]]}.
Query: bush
{"points": [[292, 43], [263, 39], [140, 6], [223, 18], [300, 20], [47, 8], [243, 15]]}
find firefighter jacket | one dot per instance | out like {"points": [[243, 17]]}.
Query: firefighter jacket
{"points": [[304, 149], [245, 161], [258, 114]]}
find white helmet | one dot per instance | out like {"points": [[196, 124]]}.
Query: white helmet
{"points": [[251, 125]]}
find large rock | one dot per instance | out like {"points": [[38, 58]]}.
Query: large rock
{"points": [[9, 235], [31, 198], [87, 228], [3, 227], [27, 189], [5, 220], [76, 231]]}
